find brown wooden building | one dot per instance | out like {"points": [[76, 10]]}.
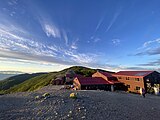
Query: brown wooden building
{"points": [[136, 80]]}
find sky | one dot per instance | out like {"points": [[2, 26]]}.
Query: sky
{"points": [[50, 35]]}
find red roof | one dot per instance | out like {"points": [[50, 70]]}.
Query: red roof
{"points": [[134, 73], [106, 74], [111, 79], [92, 81]]}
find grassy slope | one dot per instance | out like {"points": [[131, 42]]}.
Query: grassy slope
{"points": [[15, 80], [45, 79], [33, 83]]}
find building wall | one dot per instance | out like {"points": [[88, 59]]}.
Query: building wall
{"points": [[132, 83], [153, 78], [76, 84], [118, 86]]}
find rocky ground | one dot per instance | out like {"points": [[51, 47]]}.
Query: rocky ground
{"points": [[90, 105]]}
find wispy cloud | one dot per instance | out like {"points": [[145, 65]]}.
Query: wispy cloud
{"points": [[95, 39], [13, 42], [12, 2], [149, 48], [146, 44], [116, 41], [22, 48], [11, 72], [99, 23], [81, 58], [51, 30], [154, 51], [153, 63], [74, 44], [118, 67], [65, 37], [113, 21]]}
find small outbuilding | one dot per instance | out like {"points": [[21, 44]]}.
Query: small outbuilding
{"points": [[58, 81]]}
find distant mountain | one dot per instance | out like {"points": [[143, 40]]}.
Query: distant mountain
{"points": [[7, 74], [30, 82], [4, 76]]}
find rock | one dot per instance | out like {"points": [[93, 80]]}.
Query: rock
{"points": [[37, 97], [80, 108], [56, 113], [83, 117], [70, 112]]}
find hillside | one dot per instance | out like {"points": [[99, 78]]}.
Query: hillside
{"points": [[15, 80], [40, 80], [33, 83]]}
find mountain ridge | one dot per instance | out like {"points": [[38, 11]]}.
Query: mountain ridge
{"points": [[38, 80]]}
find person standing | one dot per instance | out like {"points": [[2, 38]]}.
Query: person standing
{"points": [[143, 92]]}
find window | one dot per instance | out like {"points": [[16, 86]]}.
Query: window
{"points": [[119, 77], [137, 88], [147, 80], [127, 78], [128, 86], [136, 79]]}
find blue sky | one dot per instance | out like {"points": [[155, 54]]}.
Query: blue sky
{"points": [[38, 35]]}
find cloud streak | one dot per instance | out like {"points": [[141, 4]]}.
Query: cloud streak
{"points": [[155, 51], [113, 21], [149, 48], [99, 23], [74, 44], [154, 63], [146, 44], [13, 42], [65, 37]]}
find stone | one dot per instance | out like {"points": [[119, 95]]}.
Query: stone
{"points": [[83, 117]]}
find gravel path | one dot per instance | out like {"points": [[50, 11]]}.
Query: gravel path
{"points": [[90, 105]]}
